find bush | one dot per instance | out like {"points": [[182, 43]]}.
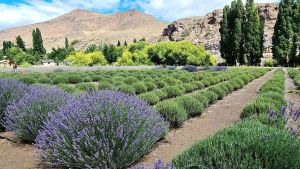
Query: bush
{"points": [[115, 134], [130, 80], [210, 95], [160, 93], [248, 144], [87, 79], [171, 81], [150, 86], [256, 107], [192, 106], [172, 112], [173, 91], [105, 85], [190, 68], [189, 87], [203, 99], [60, 79], [198, 84], [126, 89], [10, 91], [74, 79], [68, 88], [219, 91], [86, 86], [139, 87], [44, 80], [150, 98], [26, 116], [28, 80]]}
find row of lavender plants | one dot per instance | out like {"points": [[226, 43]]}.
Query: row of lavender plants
{"points": [[295, 75], [267, 137], [101, 129]]}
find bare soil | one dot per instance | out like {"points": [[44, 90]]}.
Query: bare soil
{"points": [[289, 87], [14, 155], [218, 116]]}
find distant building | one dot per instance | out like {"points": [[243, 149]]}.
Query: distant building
{"points": [[48, 63]]}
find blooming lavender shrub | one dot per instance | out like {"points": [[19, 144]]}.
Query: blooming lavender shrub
{"points": [[104, 129], [10, 91], [26, 116], [159, 164]]}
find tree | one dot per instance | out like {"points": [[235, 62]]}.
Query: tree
{"points": [[283, 33], [134, 40], [252, 34], [224, 31], [294, 58], [67, 45], [37, 42], [6, 45], [125, 43], [119, 43], [20, 43]]}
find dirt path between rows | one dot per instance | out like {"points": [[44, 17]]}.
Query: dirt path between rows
{"points": [[218, 116], [290, 86]]}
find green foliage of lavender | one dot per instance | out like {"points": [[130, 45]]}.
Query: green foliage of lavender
{"points": [[26, 116], [246, 145], [10, 91], [271, 96], [103, 129]]}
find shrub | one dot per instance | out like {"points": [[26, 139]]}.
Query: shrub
{"points": [[44, 80], [248, 144], [97, 78], [161, 84], [10, 91], [198, 84], [185, 79], [87, 79], [105, 85], [172, 91], [171, 81], [150, 86], [68, 88], [86, 86], [139, 87], [126, 89], [210, 95], [130, 80], [150, 98], [74, 79], [26, 116], [160, 93], [115, 134], [28, 80], [219, 91], [190, 68], [202, 98], [189, 87], [256, 107], [60, 79], [192, 106], [172, 112]]}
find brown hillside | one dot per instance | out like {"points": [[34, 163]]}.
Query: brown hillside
{"points": [[90, 27]]}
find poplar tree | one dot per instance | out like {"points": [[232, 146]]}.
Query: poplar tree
{"points": [[67, 45], [20, 43], [283, 33], [252, 34], [224, 31], [37, 42], [119, 43]]}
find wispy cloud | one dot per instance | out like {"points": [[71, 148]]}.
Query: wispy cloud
{"points": [[32, 11]]}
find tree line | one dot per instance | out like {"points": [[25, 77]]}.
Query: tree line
{"points": [[242, 31]]}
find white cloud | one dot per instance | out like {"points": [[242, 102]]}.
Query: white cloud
{"points": [[170, 10], [33, 11]]}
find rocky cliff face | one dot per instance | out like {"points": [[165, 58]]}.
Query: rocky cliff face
{"points": [[205, 30]]}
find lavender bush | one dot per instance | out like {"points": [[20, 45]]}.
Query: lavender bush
{"points": [[291, 117], [159, 164], [10, 91], [26, 116], [104, 129]]}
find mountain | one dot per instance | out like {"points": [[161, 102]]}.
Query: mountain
{"points": [[88, 27], [205, 30]]}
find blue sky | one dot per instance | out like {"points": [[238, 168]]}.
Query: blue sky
{"points": [[21, 12]]}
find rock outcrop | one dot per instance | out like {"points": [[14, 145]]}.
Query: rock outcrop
{"points": [[205, 30]]}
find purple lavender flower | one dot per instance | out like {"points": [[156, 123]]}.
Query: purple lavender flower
{"points": [[103, 129], [26, 116], [159, 164], [10, 91]]}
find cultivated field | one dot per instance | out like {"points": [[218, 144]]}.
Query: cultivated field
{"points": [[235, 117]]}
